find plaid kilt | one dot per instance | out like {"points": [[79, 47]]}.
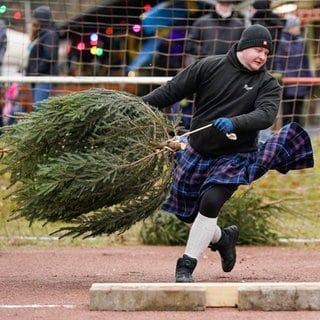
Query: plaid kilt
{"points": [[288, 149]]}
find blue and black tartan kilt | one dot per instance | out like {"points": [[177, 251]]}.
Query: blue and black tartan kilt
{"points": [[287, 149]]}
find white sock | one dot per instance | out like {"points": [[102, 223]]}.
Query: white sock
{"points": [[217, 235], [201, 233]]}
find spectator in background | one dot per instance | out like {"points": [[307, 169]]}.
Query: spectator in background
{"points": [[3, 42], [211, 34], [3, 49], [291, 60], [11, 105], [43, 52], [263, 15], [215, 32]]}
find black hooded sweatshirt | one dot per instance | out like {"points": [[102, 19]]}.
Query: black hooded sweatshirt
{"points": [[223, 87]]}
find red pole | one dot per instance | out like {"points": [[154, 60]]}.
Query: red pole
{"points": [[301, 80]]}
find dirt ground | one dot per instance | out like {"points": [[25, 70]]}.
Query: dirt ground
{"points": [[53, 283]]}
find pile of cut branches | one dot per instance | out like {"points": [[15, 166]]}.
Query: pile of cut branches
{"points": [[90, 159]]}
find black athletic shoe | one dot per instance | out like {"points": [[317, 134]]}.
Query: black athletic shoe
{"points": [[226, 247], [184, 268]]}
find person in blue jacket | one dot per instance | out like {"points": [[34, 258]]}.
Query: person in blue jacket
{"points": [[235, 94], [292, 60], [43, 53]]}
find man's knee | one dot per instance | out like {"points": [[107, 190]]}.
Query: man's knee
{"points": [[213, 200]]}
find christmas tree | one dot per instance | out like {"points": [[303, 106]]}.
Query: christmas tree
{"points": [[95, 159]]}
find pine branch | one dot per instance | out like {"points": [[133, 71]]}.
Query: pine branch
{"points": [[89, 158]]}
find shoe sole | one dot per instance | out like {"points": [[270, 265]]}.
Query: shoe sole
{"points": [[184, 280]]}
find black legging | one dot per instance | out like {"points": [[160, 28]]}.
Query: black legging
{"points": [[212, 201]]}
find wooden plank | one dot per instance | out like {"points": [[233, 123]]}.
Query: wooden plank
{"points": [[221, 294]]}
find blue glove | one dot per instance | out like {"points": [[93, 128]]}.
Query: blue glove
{"points": [[224, 125]]}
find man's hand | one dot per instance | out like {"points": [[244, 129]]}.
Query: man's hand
{"points": [[224, 125]]}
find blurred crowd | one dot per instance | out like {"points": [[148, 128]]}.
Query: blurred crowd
{"points": [[211, 34]]}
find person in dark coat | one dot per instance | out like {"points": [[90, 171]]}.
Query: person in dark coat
{"points": [[211, 34], [3, 49], [43, 52], [234, 93], [264, 15], [3, 41], [215, 32], [292, 60]]}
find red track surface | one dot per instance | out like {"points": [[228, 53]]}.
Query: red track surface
{"points": [[53, 284]]}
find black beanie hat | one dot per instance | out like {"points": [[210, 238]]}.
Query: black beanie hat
{"points": [[42, 14], [255, 36], [262, 4]]}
